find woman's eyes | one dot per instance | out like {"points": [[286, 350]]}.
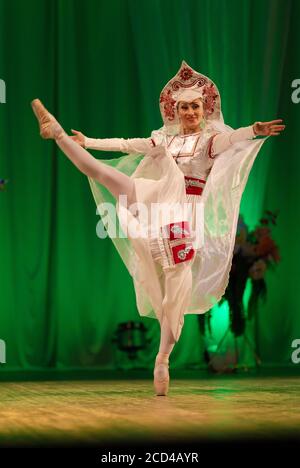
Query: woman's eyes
{"points": [[195, 106]]}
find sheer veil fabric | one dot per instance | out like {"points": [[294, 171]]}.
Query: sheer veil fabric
{"points": [[158, 179]]}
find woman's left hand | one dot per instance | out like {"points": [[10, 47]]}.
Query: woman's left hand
{"points": [[274, 127]]}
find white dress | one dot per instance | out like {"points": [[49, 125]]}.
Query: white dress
{"points": [[190, 275]]}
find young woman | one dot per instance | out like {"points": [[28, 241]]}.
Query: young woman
{"points": [[193, 172]]}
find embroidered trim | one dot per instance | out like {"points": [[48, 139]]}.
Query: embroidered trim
{"points": [[193, 185], [169, 104], [193, 181], [171, 141], [189, 134], [178, 230], [210, 147], [171, 250], [183, 252], [184, 155], [186, 73], [210, 95]]}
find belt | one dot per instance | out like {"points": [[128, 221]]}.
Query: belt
{"points": [[194, 185]]}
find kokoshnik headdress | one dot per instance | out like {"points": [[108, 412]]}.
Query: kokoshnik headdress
{"points": [[188, 85]]}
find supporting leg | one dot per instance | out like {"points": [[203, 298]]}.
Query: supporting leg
{"points": [[161, 370], [167, 340], [178, 286], [178, 289]]}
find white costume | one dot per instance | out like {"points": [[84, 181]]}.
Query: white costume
{"points": [[174, 272]]}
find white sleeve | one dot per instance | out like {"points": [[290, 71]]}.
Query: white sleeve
{"points": [[130, 145], [222, 141]]}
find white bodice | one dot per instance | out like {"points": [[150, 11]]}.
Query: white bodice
{"points": [[190, 153]]}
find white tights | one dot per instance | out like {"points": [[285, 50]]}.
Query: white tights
{"points": [[115, 181], [167, 340], [118, 184]]}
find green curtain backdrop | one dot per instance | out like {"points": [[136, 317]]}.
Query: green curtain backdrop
{"points": [[99, 66]]}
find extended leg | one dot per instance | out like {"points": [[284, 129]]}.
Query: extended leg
{"points": [[115, 181]]}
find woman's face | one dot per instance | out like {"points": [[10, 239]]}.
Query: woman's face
{"points": [[190, 114]]}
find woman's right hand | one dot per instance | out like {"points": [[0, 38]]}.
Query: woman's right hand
{"points": [[78, 137]]}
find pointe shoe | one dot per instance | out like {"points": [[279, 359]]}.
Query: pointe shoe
{"points": [[49, 127], [161, 376]]}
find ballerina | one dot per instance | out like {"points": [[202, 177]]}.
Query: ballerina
{"points": [[193, 158]]}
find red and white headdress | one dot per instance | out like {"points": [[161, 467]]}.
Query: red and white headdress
{"points": [[188, 85]]}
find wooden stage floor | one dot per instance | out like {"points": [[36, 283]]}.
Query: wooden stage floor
{"points": [[108, 411]]}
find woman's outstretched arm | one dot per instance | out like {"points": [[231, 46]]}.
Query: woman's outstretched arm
{"points": [[130, 145], [222, 141]]}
